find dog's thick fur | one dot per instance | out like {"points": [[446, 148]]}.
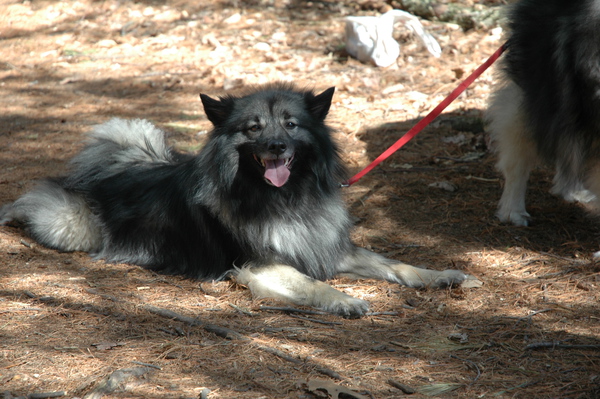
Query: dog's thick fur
{"points": [[260, 201], [548, 106]]}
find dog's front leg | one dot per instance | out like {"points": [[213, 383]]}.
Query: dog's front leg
{"points": [[366, 264], [288, 284], [517, 152]]}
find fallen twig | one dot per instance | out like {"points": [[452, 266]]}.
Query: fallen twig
{"points": [[292, 310], [529, 316], [537, 312], [557, 345], [242, 310], [223, 332], [316, 320], [146, 364], [295, 360], [404, 388], [280, 354], [94, 291], [329, 372], [472, 363], [44, 395], [564, 258], [166, 330], [383, 313], [400, 344], [318, 312], [21, 310]]}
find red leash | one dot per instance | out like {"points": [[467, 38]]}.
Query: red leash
{"points": [[429, 118]]}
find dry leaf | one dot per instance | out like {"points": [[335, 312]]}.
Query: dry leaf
{"points": [[103, 346], [318, 386]]}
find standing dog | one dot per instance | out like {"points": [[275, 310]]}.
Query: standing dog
{"points": [[549, 104], [262, 194]]}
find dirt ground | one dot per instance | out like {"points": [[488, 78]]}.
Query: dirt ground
{"points": [[76, 327]]}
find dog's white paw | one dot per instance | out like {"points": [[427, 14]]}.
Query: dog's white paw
{"points": [[449, 278], [583, 196], [348, 307], [518, 218], [471, 282]]}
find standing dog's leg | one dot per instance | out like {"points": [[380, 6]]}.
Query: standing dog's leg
{"points": [[365, 264], [568, 180], [288, 284], [517, 153]]}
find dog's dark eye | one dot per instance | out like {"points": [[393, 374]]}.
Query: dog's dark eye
{"points": [[254, 128], [290, 125]]}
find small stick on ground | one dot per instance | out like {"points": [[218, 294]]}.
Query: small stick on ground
{"points": [[295, 360], [472, 363], [279, 354], [223, 332], [330, 323], [404, 388], [292, 310], [329, 373], [146, 364], [382, 313], [44, 395], [557, 345], [242, 310], [529, 316]]}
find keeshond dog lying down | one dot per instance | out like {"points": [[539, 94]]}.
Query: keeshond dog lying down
{"points": [[261, 202], [548, 107]]}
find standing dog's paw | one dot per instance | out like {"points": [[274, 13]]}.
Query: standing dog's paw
{"points": [[516, 217], [348, 307]]}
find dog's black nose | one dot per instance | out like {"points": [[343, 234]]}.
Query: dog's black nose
{"points": [[277, 147]]}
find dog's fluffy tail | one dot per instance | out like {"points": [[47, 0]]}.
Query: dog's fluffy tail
{"points": [[116, 146], [56, 218]]}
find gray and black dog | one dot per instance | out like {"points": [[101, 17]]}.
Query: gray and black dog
{"points": [[548, 105], [261, 201]]}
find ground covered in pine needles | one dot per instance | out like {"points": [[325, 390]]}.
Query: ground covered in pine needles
{"points": [[74, 327]]}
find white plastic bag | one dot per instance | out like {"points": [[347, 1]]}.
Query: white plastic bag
{"points": [[369, 39]]}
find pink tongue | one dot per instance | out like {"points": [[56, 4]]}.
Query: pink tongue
{"points": [[276, 172]]}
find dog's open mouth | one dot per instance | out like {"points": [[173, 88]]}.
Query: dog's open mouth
{"points": [[277, 171]]}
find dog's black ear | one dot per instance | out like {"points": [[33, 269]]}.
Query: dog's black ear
{"points": [[319, 105], [217, 111]]}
